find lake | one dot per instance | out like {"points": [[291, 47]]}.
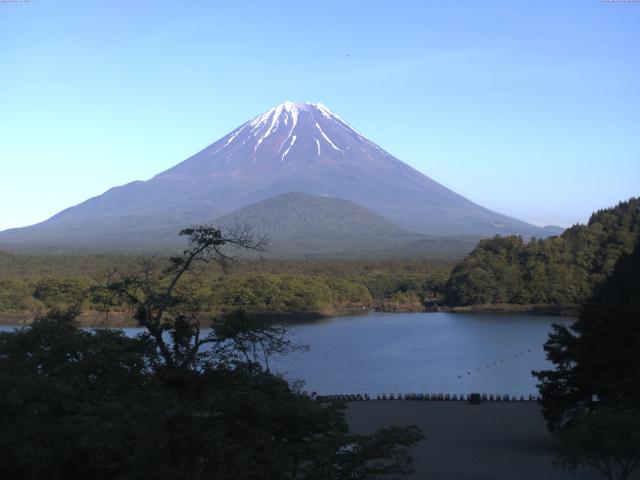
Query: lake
{"points": [[419, 352]]}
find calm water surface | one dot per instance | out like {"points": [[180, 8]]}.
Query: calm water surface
{"points": [[421, 352], [418, 352]]}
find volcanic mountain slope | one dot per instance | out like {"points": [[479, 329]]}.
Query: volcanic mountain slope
{"points": [[292, 147]]}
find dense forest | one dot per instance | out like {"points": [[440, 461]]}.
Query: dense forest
{"points": [[173, 402], [591, 397], [557, 270], [32, 284]]}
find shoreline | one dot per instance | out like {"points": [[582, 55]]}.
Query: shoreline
{"points": [[553, 309], [122, 319]]}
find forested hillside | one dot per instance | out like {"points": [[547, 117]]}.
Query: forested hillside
{"points": [[297, 215], [557, 270], [504, 270]]}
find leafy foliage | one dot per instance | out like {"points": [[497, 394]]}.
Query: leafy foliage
{"points": [[170, 404], [604, 439], [598, 356], [591, 400], [558, 270], [73, 404], [59, 293], [285, 292], [35, 283]]}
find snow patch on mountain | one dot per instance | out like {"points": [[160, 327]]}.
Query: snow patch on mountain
{"points": [[287, 115], [287, 150], [324, 135]]}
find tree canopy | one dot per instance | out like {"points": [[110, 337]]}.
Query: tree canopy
{"points": [[597, 357], [591, 400], [557, 270], [174, 402], [32, 284]]}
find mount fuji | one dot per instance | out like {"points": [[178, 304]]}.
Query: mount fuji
{"points": [[293, 147]]}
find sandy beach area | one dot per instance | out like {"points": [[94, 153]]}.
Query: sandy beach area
{"points": [[491, 441]]}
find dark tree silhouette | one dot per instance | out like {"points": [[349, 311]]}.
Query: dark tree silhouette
{"points": [[597, 380], [169, 403], [605, 439], [162, 304]]}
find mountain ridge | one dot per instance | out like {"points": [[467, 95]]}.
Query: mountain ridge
{"points": [[292, 147]]}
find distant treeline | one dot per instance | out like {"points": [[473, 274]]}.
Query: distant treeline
{"points": [[557, 270], [503, 270], [38, 283]]}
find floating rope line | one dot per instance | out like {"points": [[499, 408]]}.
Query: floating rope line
{"points": [[501, 360]]}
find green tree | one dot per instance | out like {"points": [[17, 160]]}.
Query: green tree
{"points": [[73, 403], [59, 294], [172, 403], [604, 439], [596, 379], [557, 270]]}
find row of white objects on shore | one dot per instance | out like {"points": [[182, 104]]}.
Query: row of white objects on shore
{"points": [[433, 397]]}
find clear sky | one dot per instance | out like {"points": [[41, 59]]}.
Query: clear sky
{"points": [[530, 108]]}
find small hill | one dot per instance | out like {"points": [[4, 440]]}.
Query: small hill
{"points": [[297, 215], [557, 270], [297, 224]]}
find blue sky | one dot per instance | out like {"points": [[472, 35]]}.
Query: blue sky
{"points": [[529, 108]]}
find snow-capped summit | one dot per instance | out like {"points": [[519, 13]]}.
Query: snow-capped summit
{"points": [[291, 110], [304, 143], [276, 131], [292, 147]]}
